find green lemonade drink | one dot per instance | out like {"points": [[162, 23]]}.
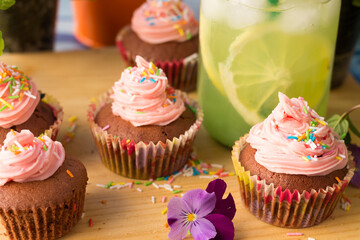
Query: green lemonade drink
{"points": [[252, 49]]}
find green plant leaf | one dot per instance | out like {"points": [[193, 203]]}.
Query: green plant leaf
{"points": [[347, 140], [340, 125], [353, 128], [5, 4], [1, 44]]}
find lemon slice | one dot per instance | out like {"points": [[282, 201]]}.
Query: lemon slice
{"points": [[264, 60]]}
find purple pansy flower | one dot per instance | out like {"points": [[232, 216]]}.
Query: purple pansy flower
{"points": [[355, 150], [204, 213]]}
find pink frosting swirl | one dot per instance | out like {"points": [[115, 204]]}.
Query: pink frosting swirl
{"points": [[24, 158], [158, 21], [142, 96], [294, 139], [18, 96]]}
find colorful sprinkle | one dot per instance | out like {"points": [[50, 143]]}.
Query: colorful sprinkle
{"points": [[292, 137], [6, 103], [3, 108], [106, 127], [176, 191], [326, 146], [163, 212], [294, 234], [109, 184], [91, 224], [321, 122], [192, 109], [148, 183], [338, 179], [305, 158], [69, 173], [305, 110]]}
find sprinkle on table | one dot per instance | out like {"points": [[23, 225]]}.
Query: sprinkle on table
{"points": [[164, 211], [72, 119], [69, 173], [153, 199], [148, 183], [294, 234], [109, 184], [91, 223], [103, 202], [345, 203]]}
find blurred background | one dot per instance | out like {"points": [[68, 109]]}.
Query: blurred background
{"points": [[78, 25], [66, 41]]}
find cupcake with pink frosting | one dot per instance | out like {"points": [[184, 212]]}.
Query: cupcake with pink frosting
{"points": [[42, 192], [165, 32], [143, 128], [292, 167], [22, 106]]}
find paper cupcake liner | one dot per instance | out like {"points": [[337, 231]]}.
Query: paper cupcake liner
{"points": [[182, 73], [53, 130], [142, 160], [42, 223], [280, 207]]}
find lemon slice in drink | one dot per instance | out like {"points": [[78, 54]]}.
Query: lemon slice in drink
{"points": [[264, 60]]}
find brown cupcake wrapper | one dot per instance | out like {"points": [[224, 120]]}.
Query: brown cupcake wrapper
{"points": [[43, 223], [181, 73], [53, 130], [280, 207], [143, 160]]}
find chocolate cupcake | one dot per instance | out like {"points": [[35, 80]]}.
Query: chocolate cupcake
{"points": [[143, 129], [292, 167], [42, 192], [22, 106], [166, 33]]}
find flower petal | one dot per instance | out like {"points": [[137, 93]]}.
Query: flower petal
{"points": [[223, 225], [226, 207], [203, 229], [218, 186], [176, 209], [178, 230], [356, 153], [200, 202]]}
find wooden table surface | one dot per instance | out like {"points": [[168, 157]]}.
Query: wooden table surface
{"points": [[75, 77]]}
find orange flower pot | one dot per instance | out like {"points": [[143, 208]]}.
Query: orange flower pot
{"points": [[98, 21]]}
